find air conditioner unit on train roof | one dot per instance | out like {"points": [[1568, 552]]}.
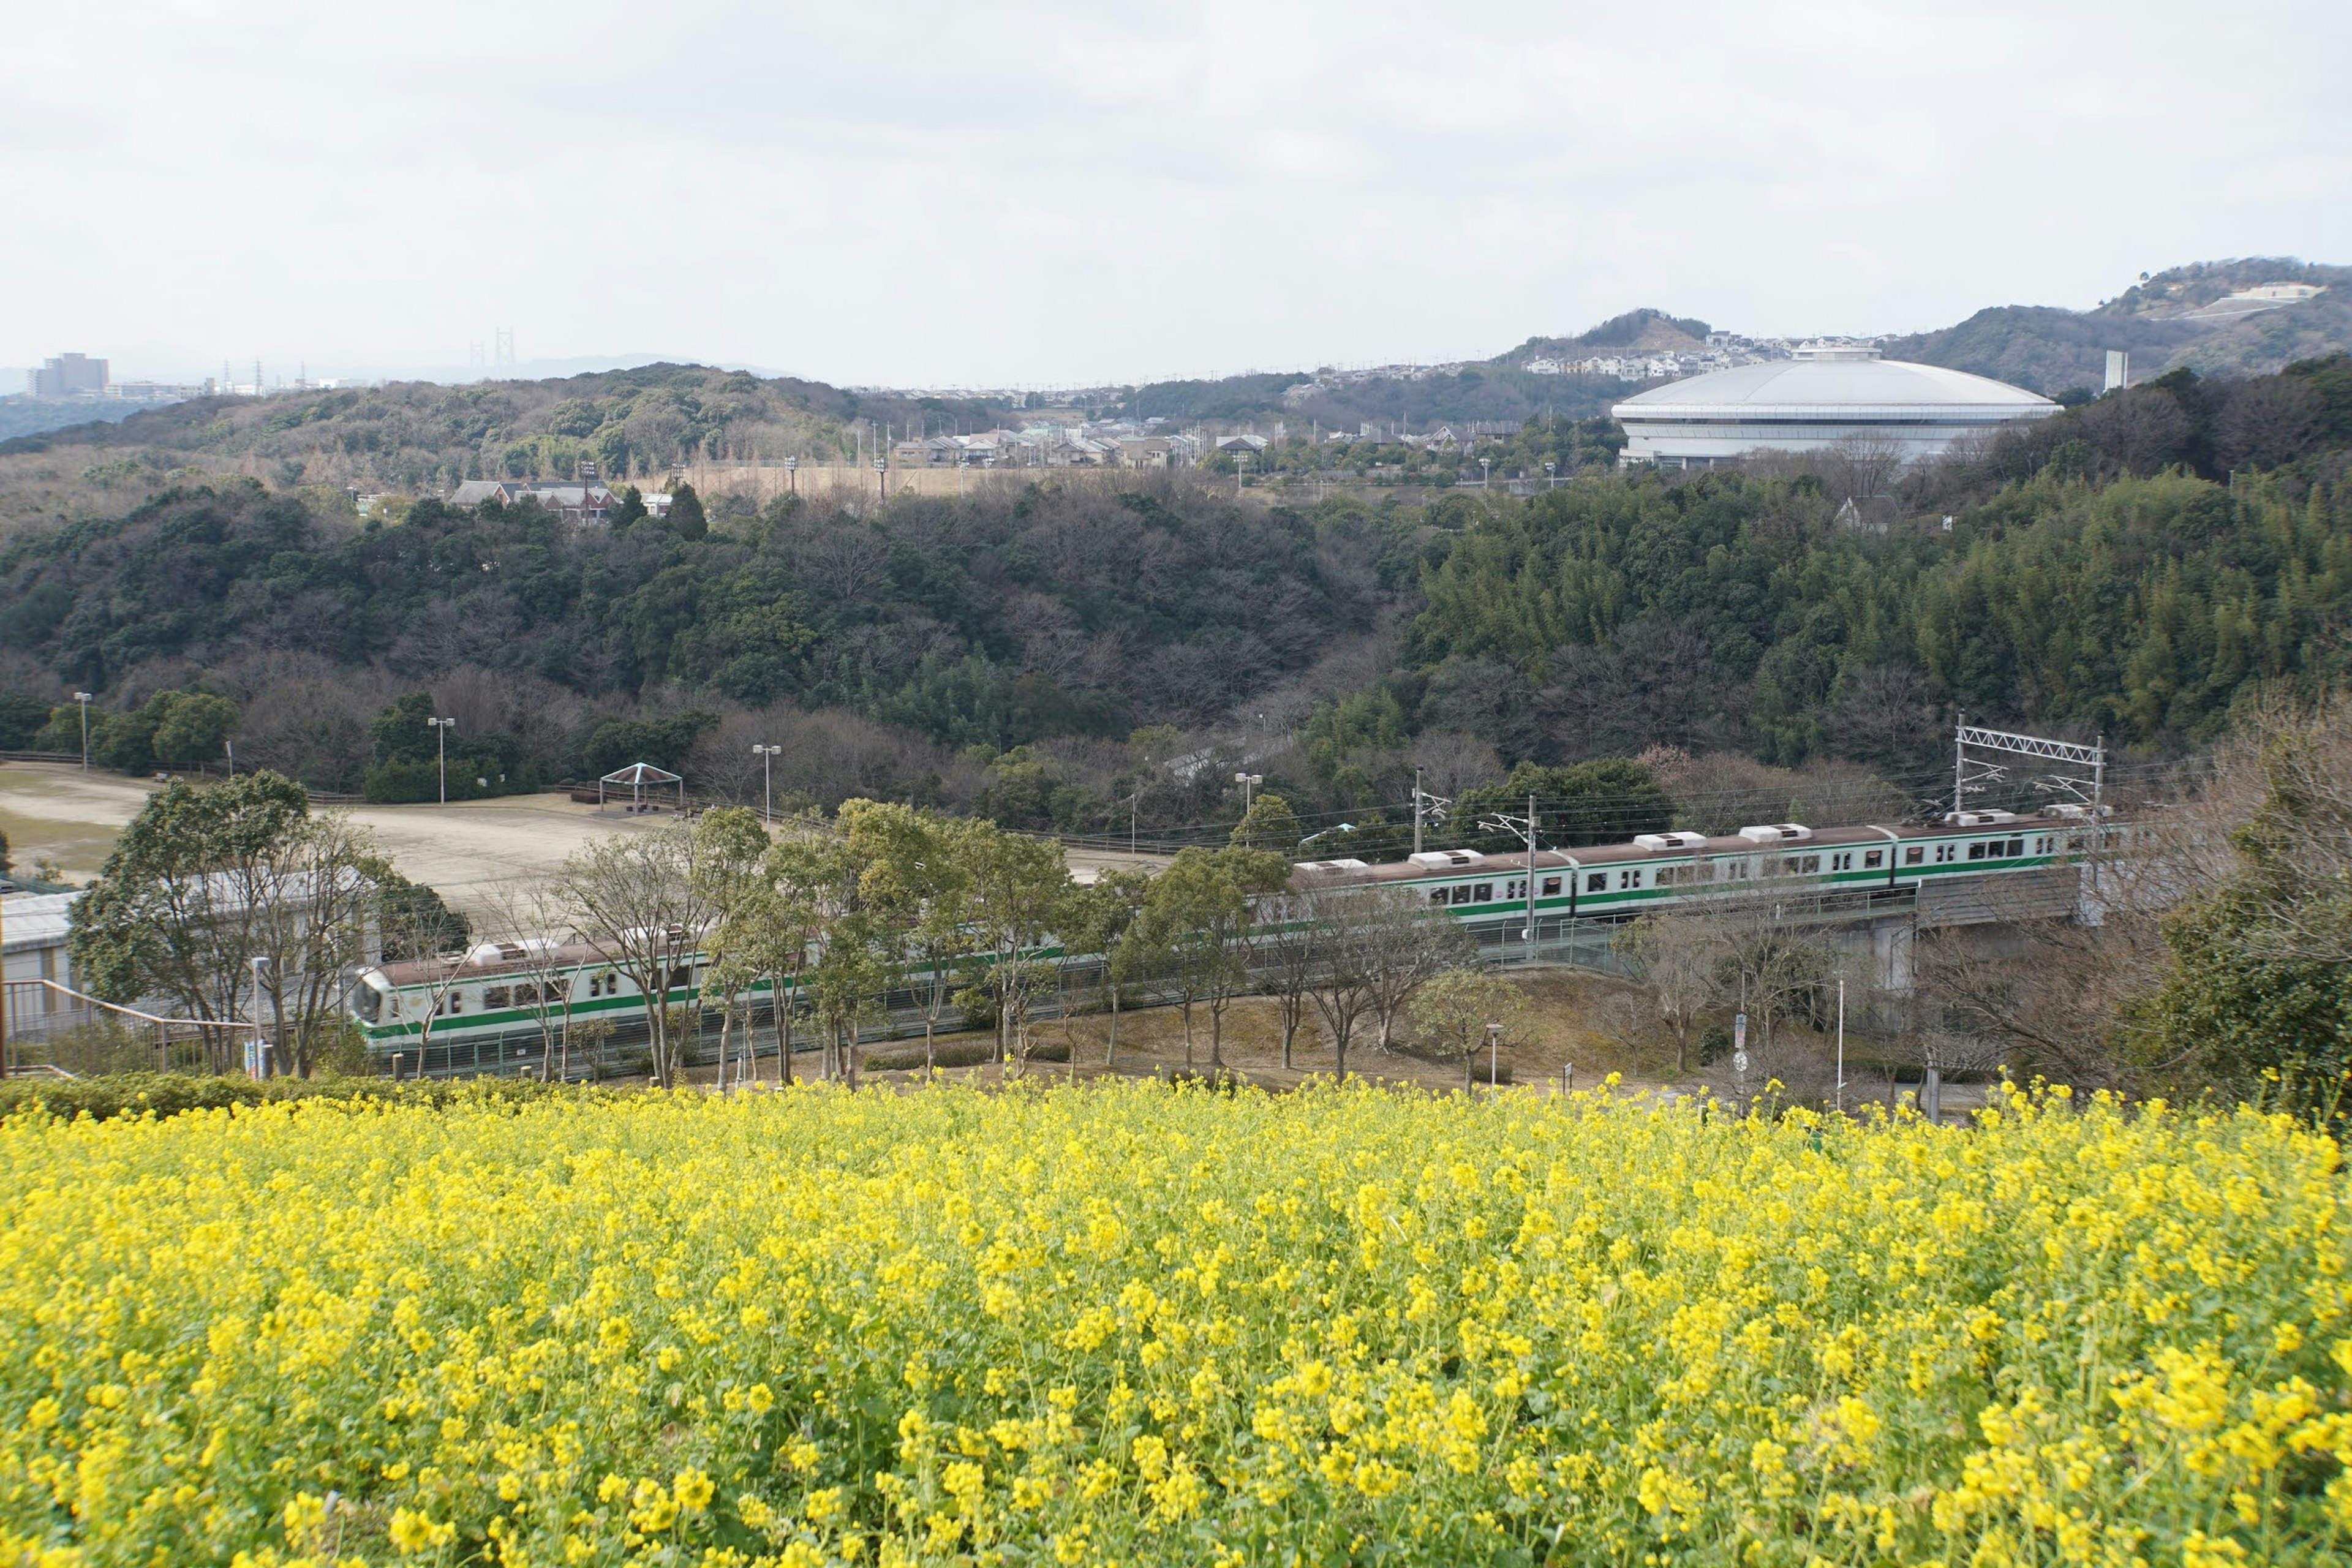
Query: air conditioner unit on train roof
{"points": [[1776, 833], [1676, 840], [1978, 819], [1333, 866], [1438, 857]]}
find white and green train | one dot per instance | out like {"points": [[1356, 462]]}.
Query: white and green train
{"points": [[495, 1008]]}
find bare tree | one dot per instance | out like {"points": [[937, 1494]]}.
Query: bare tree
{"points": [[1680, 960], [633, 896], [1341, 968], [1292, 948], [530, 916], [1407, 944]]}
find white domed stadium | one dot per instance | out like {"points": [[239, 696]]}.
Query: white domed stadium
{"points": [[1824, 396]]}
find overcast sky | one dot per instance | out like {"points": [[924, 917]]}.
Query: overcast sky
{"points": [[1055, 195]]}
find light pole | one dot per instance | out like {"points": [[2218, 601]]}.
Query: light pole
{"points": [[1493, 1056], [1241, 466], [792, 482], [1485, 466], [83, 697], [881, 476], [1248, 782], [1551, 476], [1841, 1048], [767, 780], [441, 728]]}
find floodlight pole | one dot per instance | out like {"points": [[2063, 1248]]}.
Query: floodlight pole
{"points": [[83, 697], [1493, 1056], [441, 728], [1249, 782], [767, 780]]}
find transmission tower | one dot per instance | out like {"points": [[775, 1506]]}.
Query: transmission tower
{"points": [[506, 346]]}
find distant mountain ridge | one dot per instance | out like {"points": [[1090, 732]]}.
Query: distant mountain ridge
{"points": [[2047, 350]]}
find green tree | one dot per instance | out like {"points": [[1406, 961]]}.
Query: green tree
{"points": [[190, 726], [22, 718], [915, 869], [1454, 1010], [686, 515], [1016, 884], [209, 878], [628, 508], [1604, 802], [731, 849], [1098, 919], [1196, 919], [1269, 823]]}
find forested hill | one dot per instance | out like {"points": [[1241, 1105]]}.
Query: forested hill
{"points": [[415, 436], [2137, 567]]}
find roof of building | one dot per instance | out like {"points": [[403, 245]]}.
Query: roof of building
{"points": [[36, 920], [1831, 383]]}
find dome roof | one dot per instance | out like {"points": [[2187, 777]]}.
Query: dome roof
{"points": [[1826, 385]]}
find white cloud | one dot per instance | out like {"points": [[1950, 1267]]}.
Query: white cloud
{"points": [[926, 192]]}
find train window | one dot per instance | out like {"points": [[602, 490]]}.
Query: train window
{"points": [[455, 1002], [528, 995], [680, 978], [494, 996], [2017, 846], [1551, 887], [1629, 879], [2073, 841], [1437, 895], [1485, 894], [1872, 858], [1669, 874], [1461, 893], [1842, 861], [1518, 889], [1976, 851], [1596, 881], [1914, 853], [1947, 852]]}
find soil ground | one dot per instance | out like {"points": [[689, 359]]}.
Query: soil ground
{"points": [[56, 813], [1596, 1022]]}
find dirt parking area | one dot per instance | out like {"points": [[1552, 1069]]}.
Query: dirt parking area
{"points": [[55, 814]]}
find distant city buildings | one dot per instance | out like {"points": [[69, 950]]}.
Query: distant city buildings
{"points": [[68, 376], [80, 378]]}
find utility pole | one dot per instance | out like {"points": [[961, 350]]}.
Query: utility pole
{"points": [[441, 728], [83, 697], [1960, 759], [1532, 825], [1427, 808], [1525, 826]]}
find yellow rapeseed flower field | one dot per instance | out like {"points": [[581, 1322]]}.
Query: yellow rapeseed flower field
{"points": [[1125, 1324]]}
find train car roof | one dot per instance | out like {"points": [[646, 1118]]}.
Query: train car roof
{"points": [[1311, 874], [468, 965]]}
